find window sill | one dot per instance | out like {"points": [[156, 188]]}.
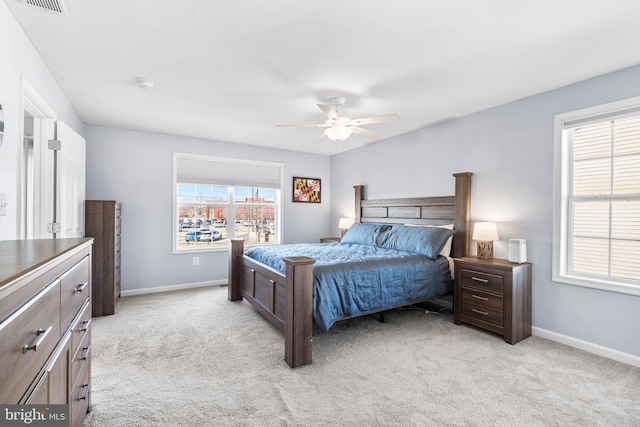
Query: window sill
{"points": [[603, 285], [218, 248]]}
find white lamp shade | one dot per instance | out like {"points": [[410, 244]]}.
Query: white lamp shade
{"points": [[338, 133], [345, 223], [485, 231]]}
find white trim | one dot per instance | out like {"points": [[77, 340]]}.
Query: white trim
{"points": [[612, 107], [587, 346], [559, 271], [601, 284], [36, 106], [34, 103], [170, 288], [230, 212]]}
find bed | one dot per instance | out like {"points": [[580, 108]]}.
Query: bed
{"points": [[294, 285]]}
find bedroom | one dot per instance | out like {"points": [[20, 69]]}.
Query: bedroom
{"points": [[513, 185]]}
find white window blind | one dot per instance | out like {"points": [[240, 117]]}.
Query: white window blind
{"points": [[603, 203], [229, 172]]}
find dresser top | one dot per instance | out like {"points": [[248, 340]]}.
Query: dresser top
{"points": [[19, 257]]}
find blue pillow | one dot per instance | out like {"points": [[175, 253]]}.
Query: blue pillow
{"points": [[364, 234], [427, 241]]}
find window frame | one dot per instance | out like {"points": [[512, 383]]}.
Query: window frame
{"points": [[562, 223], [229, 204]]}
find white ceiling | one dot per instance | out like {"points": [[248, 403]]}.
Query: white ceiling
{"points": [[232, 70]]}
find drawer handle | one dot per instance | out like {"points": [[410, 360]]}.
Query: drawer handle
{"points": [[86, 352], [484, 313], [479, 297], [85, 326], [480, 279], [41, 335], [86, 391], [80, 287]]}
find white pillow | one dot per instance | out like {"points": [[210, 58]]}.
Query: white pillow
{"points": [[446, 251]]}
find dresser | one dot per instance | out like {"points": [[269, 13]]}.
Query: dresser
{"points": [[45, 323], [103, 223], [495, 295]]}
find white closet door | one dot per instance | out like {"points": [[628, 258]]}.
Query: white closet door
{"points": [[70, 182]]}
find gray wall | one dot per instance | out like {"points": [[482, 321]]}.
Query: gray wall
{"points": [[136, 168], [510, 151]]}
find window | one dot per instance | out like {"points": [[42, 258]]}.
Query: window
{"points": [[597, 198], [217, 199]]}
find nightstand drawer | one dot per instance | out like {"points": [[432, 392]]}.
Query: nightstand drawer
{"points": [[481, 299], [481, 279], [482, 313]]}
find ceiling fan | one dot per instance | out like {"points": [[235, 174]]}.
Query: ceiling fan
{"points": [[339, 127]]}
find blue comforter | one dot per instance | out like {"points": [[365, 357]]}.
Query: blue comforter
{"points": [[352, 279]]}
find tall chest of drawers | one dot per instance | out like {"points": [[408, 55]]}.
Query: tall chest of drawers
{"points": [[103, 223], [45, 323], [495, 295]]}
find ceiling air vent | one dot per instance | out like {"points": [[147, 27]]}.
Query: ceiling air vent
{"points": [[51, 5]]}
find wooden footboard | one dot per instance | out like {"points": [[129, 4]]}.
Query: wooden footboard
{"points": [[285, 300]]}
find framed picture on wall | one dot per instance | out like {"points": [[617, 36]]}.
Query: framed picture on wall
{"points": [[306, 190]]}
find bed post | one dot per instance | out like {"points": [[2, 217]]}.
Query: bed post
{"points": [[235, 251], [462, 212], [298, 325], [359, 195]]}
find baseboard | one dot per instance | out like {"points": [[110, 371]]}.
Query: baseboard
{"points": [[607, 352], [169, 288]]}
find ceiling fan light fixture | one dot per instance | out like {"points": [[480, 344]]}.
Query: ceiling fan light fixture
{"points": [[338, 133]]}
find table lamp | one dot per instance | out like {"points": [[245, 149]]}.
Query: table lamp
{"points": [[485, 233], [344, 224]]}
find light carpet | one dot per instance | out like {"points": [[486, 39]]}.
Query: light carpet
{"points": [[192, 358]]}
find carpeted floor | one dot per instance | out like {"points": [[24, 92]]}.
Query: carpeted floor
{"points": [[192, 358]]}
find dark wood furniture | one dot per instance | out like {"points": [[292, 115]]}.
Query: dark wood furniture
{"points": [[495, 295], [287, 300], [330, 239], [45, 323], [103, 223]]}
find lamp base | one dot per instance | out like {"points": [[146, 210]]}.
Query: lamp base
{"points": [[485, 249]]}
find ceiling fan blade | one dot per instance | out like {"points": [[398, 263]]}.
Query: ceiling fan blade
{"points": [[329, 111], [375, 119], [317, 125], [364, 132], [322, 136]]}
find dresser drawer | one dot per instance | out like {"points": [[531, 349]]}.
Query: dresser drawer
{"points": [[482, 279], [81, 357], [81, 327], [481, 299], [74, 285], [27, 339], [80, 395], [483, 313]]}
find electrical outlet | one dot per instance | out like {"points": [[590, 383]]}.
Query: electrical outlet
{"points": [[196, 260]]}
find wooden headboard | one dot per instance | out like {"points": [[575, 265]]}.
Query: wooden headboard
{"points": [[424, 210]]}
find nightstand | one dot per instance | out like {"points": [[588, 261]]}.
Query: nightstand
{"points": [[495, 295], [329, 239]]}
